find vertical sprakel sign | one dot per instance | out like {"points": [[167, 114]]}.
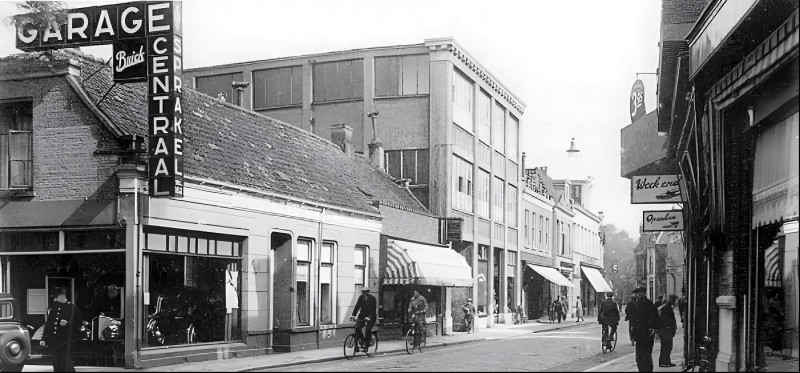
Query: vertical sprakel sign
{"points": [[147, 48]]}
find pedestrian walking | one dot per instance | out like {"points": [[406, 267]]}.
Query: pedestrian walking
{"points": [[579, 310], [682, 304], [628, 309], [667, 314], [64, 322], [644, 321], [469, 314], [564, 307], [772, 326], [659, 301], [558, 309]]}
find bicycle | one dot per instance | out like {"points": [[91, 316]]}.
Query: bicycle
{"points": [[416, 339], [609, 342], [350, 344], [701, 358]]}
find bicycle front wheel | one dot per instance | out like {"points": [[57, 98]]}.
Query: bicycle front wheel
{"points": [[350, 346], [410, 341], [373, 344]]}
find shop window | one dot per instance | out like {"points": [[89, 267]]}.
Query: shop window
{"points": [[360, 270], [191, 299], [339, 80], [401, 75], [20, 242], [408, 164], [327, 283], [16, 145], [102, 239], [302, 280], [282, 86]]}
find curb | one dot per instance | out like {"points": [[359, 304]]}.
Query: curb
{"points": [[326, 359], [560, 327]]}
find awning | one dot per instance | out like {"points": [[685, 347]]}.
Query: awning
{"points": [[409, 263], [596, 279], [39, 214], [551, 274], [775, 173]]}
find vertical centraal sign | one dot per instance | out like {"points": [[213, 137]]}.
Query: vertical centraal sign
{"points": [[147, 48]]}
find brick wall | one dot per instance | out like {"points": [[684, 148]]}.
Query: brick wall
{"points": [[65, 137]]}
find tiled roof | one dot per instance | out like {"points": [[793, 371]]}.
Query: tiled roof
{"points": [[226, 143]]}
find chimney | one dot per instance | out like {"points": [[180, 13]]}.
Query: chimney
{"points": [[239, 87], [375, 146], [342, 136]]}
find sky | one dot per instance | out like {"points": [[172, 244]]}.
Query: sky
{"points": [[572, 63]]}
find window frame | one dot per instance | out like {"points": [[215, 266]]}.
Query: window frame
{"points": [[422, 86], [364, 267], [309, 264], [16, 106], [331, 264], [292, 87], [357, 90]]}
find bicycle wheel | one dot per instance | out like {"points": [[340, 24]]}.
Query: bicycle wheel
{"points": [[423, 339], [373, 344], [350, 346], [603, 340], [612, 341], [410, 341]]}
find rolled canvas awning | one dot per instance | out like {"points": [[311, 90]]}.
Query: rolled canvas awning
{"points": [[596, 279], [410, 263], [551, 274]]}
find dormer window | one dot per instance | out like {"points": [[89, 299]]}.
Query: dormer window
{"points": [[16, 145]]}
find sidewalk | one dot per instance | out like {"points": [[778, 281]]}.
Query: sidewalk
{"points": [[278, 360], [627, 363]]}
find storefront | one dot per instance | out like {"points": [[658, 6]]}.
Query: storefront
{"points": [[191, 287], [90, 264], [544, 284], [593, 287], [436, 272]]}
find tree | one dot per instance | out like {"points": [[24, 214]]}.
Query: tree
{"points": [[618, 250], [40, 14]]}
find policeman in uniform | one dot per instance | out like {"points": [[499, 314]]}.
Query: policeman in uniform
{"points": [[644, 321], [63, 325]]}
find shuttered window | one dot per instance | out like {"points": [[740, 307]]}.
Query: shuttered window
{"points": [[339, 80], [278, 87]]}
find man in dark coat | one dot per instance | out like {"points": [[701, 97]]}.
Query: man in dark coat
{"points": [[62, 327], [667, 314], [609, 315], [645, 321], [367, 311]]}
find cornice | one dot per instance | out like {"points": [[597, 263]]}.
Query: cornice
{"points": [[462, 56]]}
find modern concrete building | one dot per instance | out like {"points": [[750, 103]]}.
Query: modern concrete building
{"points": [[445, 123]]}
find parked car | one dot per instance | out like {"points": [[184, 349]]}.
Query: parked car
{"points": [[15, 338], [177, 314]]}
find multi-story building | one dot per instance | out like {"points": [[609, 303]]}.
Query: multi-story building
{"points": [[444, 123], [728, 99], [580, 250], [267, 248]]}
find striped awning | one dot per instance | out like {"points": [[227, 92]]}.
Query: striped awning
{"points": [[410, 263]]}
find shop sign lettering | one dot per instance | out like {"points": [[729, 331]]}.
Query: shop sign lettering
{"points": [[147, 47], [656, 189], [667, 220]]}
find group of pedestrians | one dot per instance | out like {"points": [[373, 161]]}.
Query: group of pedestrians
{"points": [[646, 319]]}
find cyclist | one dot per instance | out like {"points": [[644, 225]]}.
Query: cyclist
{"points": [[417, 309], [609, 317], [469, 315], [367, 311]]}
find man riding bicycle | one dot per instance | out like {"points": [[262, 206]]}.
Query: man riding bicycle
{"points": [[609, 317], [367, 311], [417, 309], [469, 315]]}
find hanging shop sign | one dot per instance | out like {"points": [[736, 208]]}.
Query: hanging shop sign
{"points": [[454, 229], [663, 220], [656, 189], [637, 108], [147, 48]]}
